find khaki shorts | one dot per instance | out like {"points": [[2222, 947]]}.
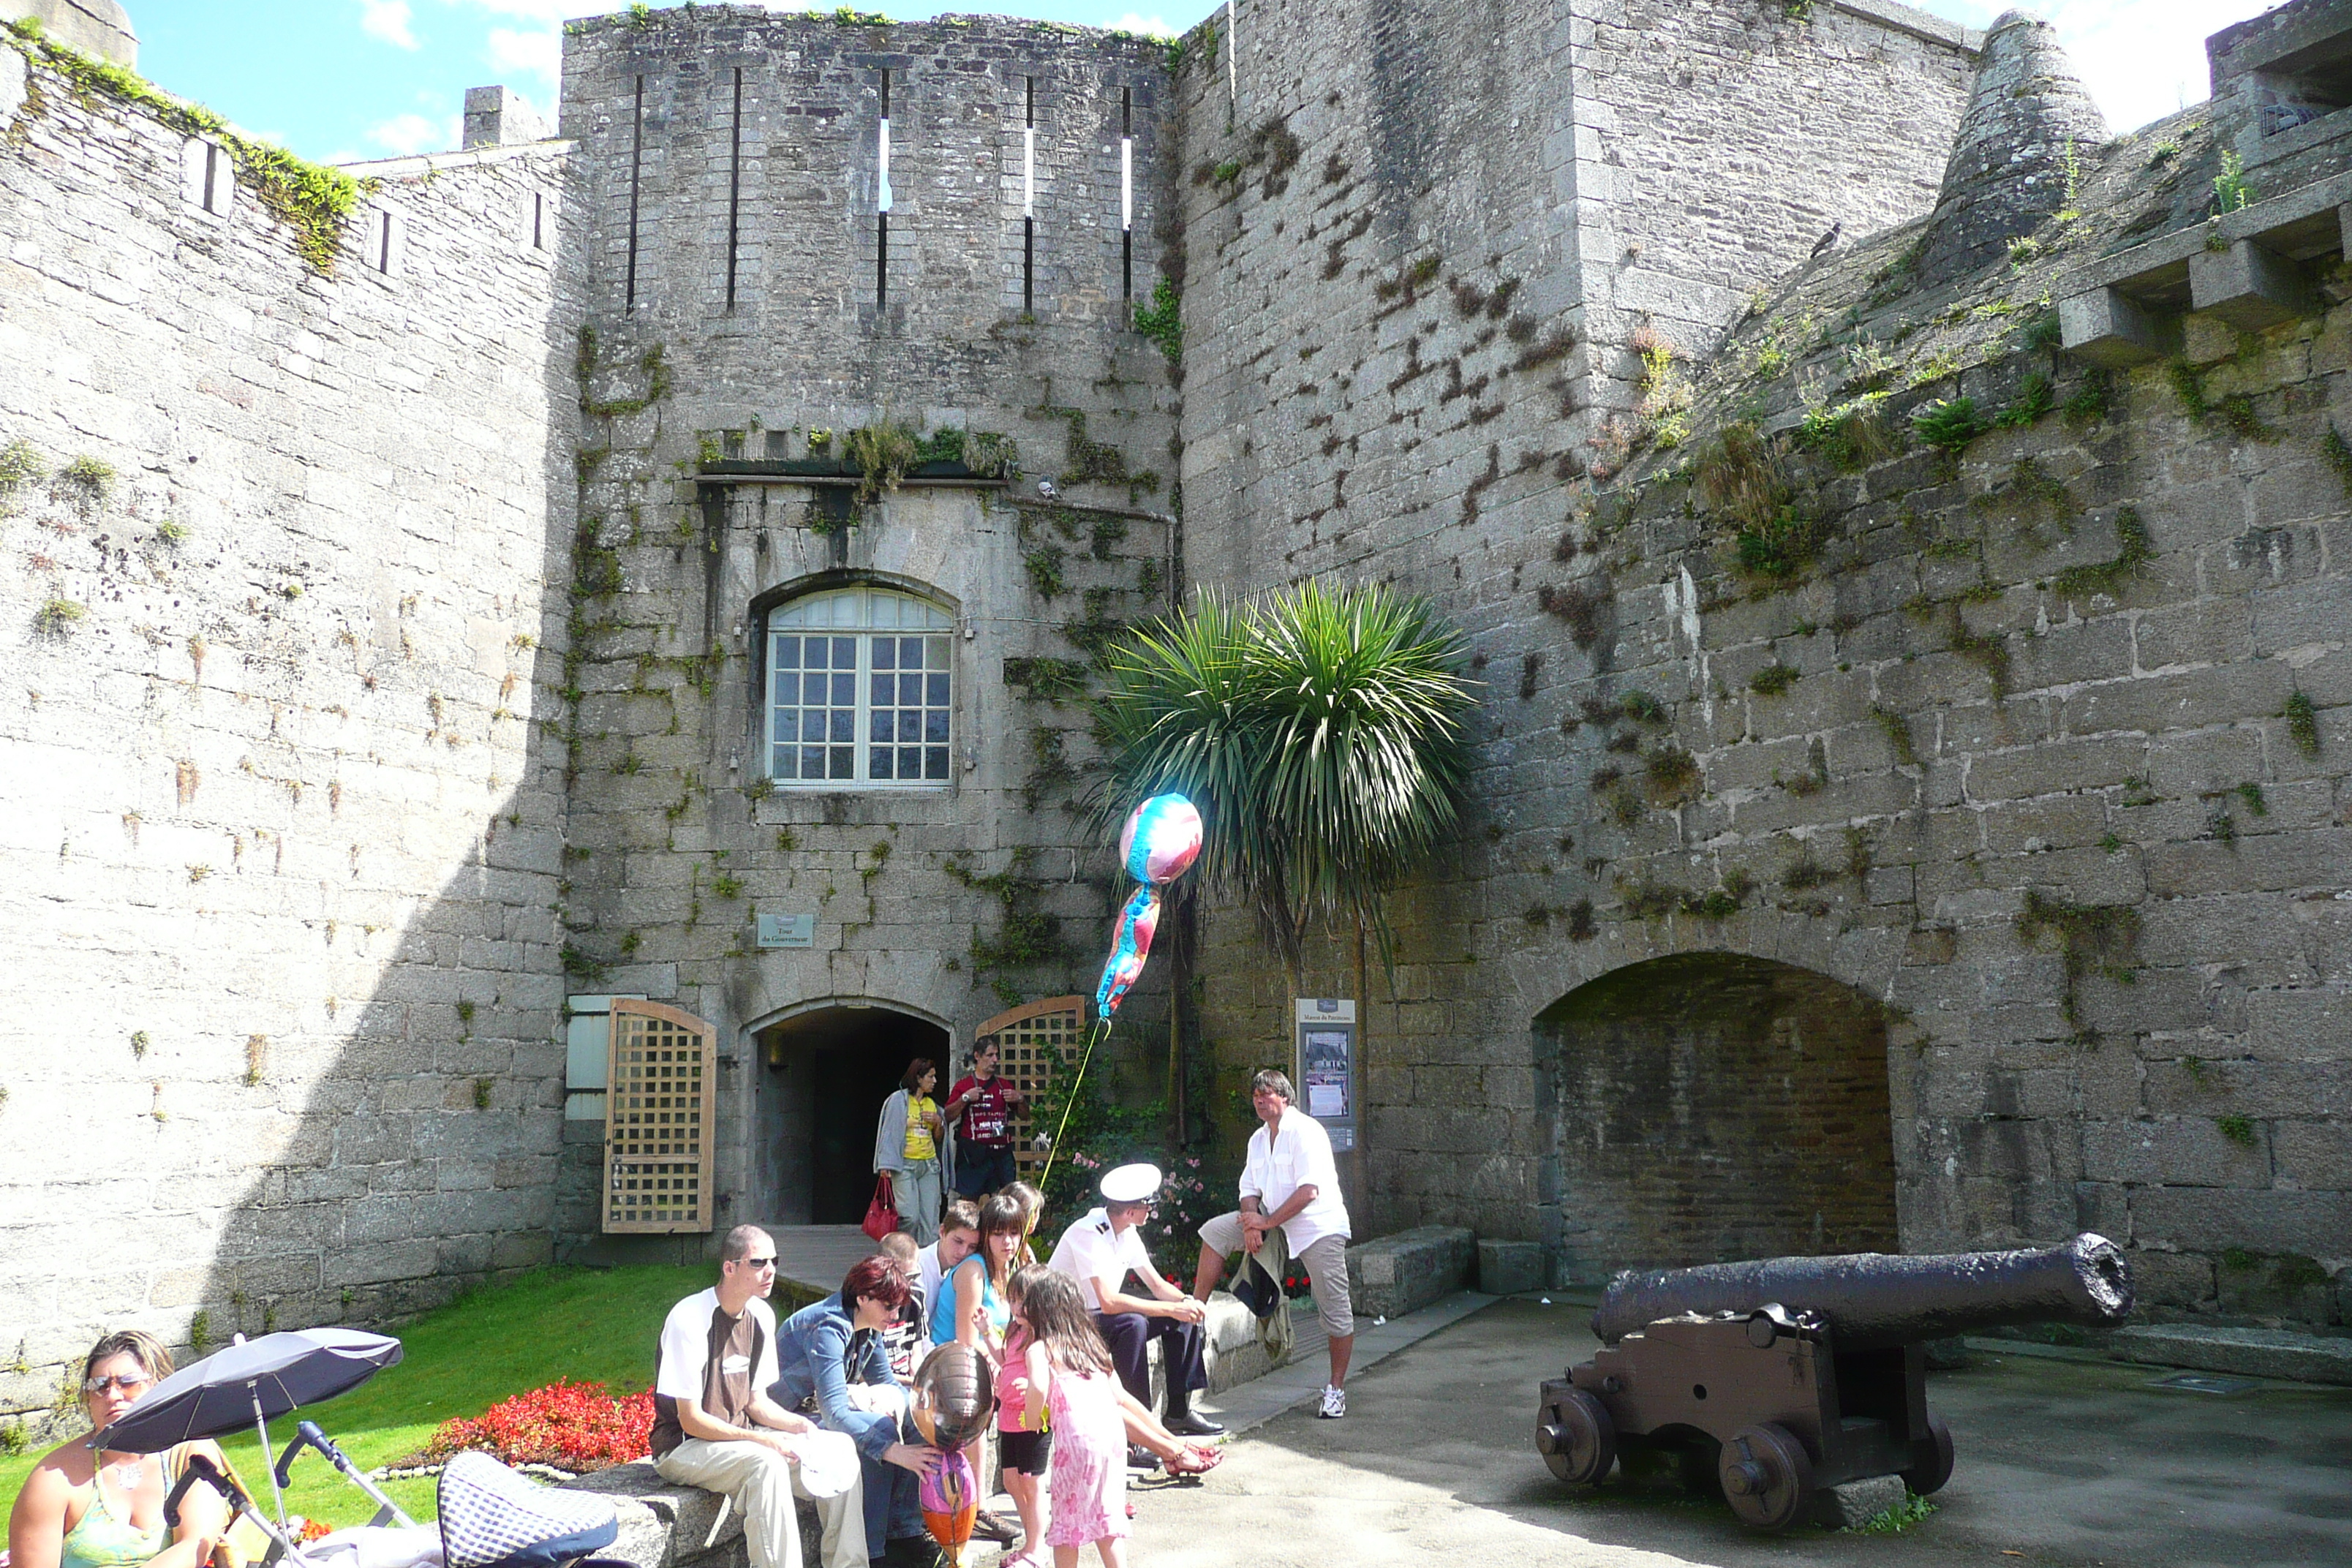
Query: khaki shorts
{"points": [[1327, 1270]]}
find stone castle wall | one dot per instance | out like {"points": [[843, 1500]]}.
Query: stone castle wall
{"points": [[670, 793], [440, 696], [2033, 741], [282, 836], [1415, 258]]}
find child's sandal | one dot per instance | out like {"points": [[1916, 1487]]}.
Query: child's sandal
{"points": [[1195, 1460]]}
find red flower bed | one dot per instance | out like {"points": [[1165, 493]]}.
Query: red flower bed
{"points": [[576, 1426]]}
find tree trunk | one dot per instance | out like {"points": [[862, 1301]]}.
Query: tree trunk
{"points": [[1359, 1163]]}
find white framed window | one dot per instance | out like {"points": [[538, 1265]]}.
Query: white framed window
{"points": [[860, 689]]}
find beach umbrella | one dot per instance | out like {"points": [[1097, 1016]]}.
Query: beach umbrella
{"points": [[247, 1383]]}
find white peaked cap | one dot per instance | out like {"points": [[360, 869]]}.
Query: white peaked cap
{"points": [[1130, 1183]]}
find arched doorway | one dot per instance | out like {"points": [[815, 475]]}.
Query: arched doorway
{"points": [[1707, 1107], [824, 1075]]}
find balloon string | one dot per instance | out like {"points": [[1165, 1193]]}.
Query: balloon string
{"points": [[1053, 1152]]}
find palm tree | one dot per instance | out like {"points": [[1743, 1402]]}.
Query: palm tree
{"points": [[1321, 732]]}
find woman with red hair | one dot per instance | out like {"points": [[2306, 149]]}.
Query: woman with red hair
{"points": [[831, 1363]]}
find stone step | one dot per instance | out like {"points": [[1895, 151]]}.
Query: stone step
{"points": [[1392, 1275], [2248, 1352]]}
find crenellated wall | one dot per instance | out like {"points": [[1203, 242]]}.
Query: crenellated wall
{"points": [[720, 505]]}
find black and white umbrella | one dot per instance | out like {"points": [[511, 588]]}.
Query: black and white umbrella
{"points": [[247, 1383]]}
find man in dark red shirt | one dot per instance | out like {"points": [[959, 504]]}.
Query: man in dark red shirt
{"points": [[980, 1107]]}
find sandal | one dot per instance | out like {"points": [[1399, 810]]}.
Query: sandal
{"points": [[1195, 1460]]}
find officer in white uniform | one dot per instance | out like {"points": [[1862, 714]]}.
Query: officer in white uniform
{"points": [[1101, 1251]]}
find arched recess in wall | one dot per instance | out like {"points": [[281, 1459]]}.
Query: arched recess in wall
{"points": [[1703, 1107], [895, 714], [823, 1067]]}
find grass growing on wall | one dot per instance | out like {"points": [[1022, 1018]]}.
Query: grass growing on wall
{"points": [[312, 199], [590, 1325]]}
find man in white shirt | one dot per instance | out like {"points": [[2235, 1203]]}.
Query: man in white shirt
{"points": [[1100, 1251], [1289, 1180], [715, 1426]]}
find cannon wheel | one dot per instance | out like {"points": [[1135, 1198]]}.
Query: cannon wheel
{"points": [[1766, 1476], [1931, 1475], [1576, 1438]]}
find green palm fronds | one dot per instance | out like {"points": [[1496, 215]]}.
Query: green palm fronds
{"points": [[1322, 733]]}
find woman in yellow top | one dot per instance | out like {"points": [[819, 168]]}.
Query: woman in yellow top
{"points": [[81, 1509], [906, 1145]]}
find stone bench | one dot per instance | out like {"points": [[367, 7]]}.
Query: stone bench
{"points": [[1392, 1275], [664, 1525]]}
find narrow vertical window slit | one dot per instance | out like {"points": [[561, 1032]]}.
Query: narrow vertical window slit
{"points": [[636, 182], [882, 204], [1029, 198], [1126, 192], [734, 186]]}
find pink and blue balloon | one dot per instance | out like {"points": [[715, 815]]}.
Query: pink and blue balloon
{"points": [[1161, 840], [1160, 843]]}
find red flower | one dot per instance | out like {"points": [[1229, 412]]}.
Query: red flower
{"points": [[577, 1426]]}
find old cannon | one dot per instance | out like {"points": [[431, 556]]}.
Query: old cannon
{"points": [[1801, 1373]]}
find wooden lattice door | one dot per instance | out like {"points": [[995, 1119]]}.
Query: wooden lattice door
{"points": [[658, 1119], [1027, 1039]]}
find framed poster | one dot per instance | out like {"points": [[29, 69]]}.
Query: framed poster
{"points": [[1326, 1073]]}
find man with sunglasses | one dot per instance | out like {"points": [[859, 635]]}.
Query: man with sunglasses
{"points": [[715, 1427]]}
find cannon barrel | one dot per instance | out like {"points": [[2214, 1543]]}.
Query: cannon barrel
{"points": [[1878, 1299]]}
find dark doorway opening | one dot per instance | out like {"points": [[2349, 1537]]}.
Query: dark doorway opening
{"points": [[1709, 1107], [827, 1073]]}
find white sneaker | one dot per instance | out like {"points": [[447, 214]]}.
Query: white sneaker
{"points": [[1335, 1403]]}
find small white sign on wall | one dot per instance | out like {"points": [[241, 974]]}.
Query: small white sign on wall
{"points": [[787, 930]]}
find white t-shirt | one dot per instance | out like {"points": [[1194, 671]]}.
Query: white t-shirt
{"points": [[686, 1346], [927, 1264], [1280, 1163], [1088, 1251]]}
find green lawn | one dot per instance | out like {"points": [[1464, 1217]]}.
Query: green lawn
{"points": [[590, 1325]]}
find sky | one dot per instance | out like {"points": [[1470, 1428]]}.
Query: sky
{"points": [[344, 80]]}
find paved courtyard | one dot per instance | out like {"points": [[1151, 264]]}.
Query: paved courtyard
{"points": [[2059, 1462]]}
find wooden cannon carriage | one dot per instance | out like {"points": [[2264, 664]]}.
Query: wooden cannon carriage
{"points": [[1801, 1373]]}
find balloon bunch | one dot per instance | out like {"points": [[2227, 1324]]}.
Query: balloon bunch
{"points": [[1158, 844]]}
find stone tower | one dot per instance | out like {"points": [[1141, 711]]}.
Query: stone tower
{"points": [[2028, 124]]}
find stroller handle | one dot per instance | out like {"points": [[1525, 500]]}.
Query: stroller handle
{"points": [[307, 1434], [200, 1468]]}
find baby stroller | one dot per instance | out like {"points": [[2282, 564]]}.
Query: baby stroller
{"points": [[489, 1516]]}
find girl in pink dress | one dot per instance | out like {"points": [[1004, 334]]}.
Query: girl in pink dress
{"points": [[1087, 1474]]}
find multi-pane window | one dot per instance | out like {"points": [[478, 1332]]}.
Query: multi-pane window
{"points": [[858, 690]]}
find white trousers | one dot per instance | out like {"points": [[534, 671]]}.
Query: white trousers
{"points": [[763, 1484]]}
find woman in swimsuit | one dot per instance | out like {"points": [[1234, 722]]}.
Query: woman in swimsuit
{"points": [[81, 1509]]}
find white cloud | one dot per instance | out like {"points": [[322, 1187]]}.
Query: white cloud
{"points": [[536, 55], [2141, 59], [405, 134], [1149, 26], [388, 20]]}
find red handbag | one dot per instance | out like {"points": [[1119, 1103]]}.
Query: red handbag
{"points": [[882, 1214]]}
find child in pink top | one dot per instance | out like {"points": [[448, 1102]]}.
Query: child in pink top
{"points": [[1021, 1438]]}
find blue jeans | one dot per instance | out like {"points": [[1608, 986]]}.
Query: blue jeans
{"points": [[893, 1499]]}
